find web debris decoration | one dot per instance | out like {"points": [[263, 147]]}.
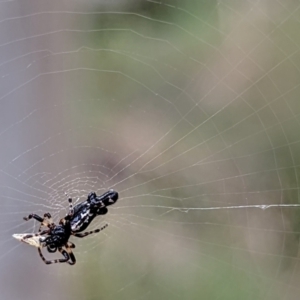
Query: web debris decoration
{"points": [[56, 237]]}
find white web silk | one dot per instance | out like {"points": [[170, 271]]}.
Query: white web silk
{"points": [[189, 110]]}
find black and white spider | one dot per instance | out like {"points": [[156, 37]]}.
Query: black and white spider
{"points": [[56, 237]]}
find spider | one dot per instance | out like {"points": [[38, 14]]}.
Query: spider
{"points": [[77, 220]]}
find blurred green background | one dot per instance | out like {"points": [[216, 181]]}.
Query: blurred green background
{"points": [[190, 110]]}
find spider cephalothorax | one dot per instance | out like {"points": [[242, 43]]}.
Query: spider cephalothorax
{"points": [[56, 237]]}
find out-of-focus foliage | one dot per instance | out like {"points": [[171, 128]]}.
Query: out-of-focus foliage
{"points": [[190, 110]]}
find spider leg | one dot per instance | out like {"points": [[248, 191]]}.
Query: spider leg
{"points": [[71, 210], [72, 260], [70, 245], [46, 221], [34, 216], [61, 260], [84, 234]]}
